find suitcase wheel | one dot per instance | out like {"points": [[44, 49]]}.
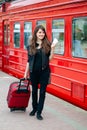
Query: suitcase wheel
{"points": [[23, 109], [14, 109]]}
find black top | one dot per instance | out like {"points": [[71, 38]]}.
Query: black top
{"points": [[38, 60]]}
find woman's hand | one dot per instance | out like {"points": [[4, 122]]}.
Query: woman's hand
{"points": [[55, 41]]}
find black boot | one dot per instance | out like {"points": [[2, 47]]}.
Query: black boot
{"points": [[39, 117], [32, 113]]}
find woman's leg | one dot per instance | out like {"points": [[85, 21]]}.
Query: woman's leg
{"points": [[34, 83], [43, 84]]}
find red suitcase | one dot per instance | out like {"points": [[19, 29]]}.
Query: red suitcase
{"points": [[18, 95]]}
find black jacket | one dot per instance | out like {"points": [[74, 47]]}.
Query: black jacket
{"points": [[45, 60]]}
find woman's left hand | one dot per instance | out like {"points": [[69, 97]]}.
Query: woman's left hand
{"points": [[55, 41]]}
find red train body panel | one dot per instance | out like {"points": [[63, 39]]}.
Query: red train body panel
{"points": [[67, 21]]}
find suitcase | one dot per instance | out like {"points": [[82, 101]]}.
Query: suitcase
{"points": [[18, 95]]}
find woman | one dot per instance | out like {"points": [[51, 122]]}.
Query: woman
{"points": [[40, 51]]}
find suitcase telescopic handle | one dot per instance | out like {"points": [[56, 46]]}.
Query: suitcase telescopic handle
{"points": [[22, 79]]}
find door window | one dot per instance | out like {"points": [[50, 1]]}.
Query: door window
{"points": [[17, 35], [6, 33], [58, 33], [27, 33]]}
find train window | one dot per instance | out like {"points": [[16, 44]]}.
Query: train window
{"points": [[27, 33], [17, 35], [41, 22], [58, 32], [6, 34], [79, 37]]}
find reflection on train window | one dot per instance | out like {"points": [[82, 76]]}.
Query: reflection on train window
{"points": [[58, 32], [42, 22], [17, 35], [27, 33], [79, 37], [6, 34]]}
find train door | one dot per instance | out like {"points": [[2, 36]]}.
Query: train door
{"points": [[0, 45], [5, 46]]}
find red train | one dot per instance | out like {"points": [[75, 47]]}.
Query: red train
{"points": [[65, 20]]}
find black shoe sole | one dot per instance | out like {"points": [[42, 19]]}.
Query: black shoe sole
{"points": [[39, 117]]}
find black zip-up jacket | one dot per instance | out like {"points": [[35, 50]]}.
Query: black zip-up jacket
{"points": [[45, 60]]}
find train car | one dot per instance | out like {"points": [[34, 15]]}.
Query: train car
{"points": [[65, 20]]}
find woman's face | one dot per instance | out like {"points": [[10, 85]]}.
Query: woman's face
{"points": [[40, 34]]}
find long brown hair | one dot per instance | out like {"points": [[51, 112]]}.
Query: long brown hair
{"points": [[46, 45]]}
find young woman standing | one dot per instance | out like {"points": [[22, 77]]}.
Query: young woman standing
{"points": [[40, 52]]}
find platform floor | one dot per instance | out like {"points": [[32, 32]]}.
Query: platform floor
{"points": [[58, 114]]}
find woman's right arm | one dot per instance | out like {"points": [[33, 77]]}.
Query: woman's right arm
{"points": [[26, 74]]}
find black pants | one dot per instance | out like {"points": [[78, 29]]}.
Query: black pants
{"points": [[39, 77]]}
